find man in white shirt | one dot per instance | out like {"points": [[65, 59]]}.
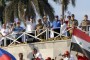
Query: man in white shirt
{"points": [[30, 27], [36, 54], [5, 32]]}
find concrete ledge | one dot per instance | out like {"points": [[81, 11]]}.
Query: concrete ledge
{"points": [[47, 49], [54, 41]]}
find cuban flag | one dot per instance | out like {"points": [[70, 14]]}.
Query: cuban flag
{"points": [[80, 42], [4, 55]]}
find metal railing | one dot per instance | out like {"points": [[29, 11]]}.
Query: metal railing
{"points": [[23, 35]]}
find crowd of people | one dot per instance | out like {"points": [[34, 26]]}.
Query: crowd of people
{"points": [[42, 24], [66, 56]]}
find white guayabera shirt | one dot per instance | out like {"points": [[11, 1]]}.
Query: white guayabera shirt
{"points": [[30, 27], [38, 55], [4, 32]]}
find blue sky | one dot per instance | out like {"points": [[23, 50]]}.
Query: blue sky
{"points": [[81, 8]]}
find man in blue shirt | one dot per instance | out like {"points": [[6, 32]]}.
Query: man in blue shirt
{"points": [[56, 25], [18, 29]]}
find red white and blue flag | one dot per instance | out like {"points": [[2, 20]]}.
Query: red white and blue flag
{"points": [[4, 55]]}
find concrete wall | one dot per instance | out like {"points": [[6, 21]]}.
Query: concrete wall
{"points": [[47, 49]]}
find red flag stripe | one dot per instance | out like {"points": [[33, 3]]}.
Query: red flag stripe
{"points": [[81, 34]]}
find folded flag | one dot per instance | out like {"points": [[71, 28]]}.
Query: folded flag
{"points": [[80, 42], [4, 55]]}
